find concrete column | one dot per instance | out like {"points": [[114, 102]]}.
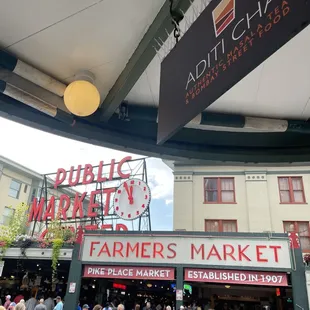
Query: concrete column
{"points": [[75, 276], [298, 276], [183, 205], [179, 285], [308, 284], [258, 206]]}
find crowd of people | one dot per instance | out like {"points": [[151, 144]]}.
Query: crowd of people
{"points": [[19, 303]]}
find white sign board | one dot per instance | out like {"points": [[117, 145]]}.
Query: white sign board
{"points": [[179, 294], [1, 267], [258, 252]]}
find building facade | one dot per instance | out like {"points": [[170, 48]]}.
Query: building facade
{"points": [[17, 184], [242, 199]]}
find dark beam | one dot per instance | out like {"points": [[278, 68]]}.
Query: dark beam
{"points": [[140, 59]]}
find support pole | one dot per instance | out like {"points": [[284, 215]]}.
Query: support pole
{"points": [[179, 286], [75, 276], [298, 276]]}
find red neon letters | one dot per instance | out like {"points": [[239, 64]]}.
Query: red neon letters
{"points": [[81, 175], [88, 176]]}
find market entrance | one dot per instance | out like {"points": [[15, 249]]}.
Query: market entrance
{"points": [[128, 285], [239, 289]]}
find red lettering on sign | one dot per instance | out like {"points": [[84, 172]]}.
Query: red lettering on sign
{"points": [[77, 175], [108, 192], [118, 248], [195, 251], [132, 249], [259, 253], [60, 177], [214, 252], [112, 169], [119, 168], [241, 253], [121, 227], [144, 249], [158, 249], [228, 251], [88, 176], [92, 247], [78, 205], [104, 250], [100, 178], [275, 251], [50, 210], [64, 209], [93, 204], [171, 250], [36, 211]]}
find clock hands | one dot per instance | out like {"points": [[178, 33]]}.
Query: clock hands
{"points": [[129, 192]]}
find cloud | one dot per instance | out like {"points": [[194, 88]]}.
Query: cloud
{"points": [[160, 179], [48, 152]]}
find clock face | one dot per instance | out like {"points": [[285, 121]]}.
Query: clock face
{"points": [[132, 199]]}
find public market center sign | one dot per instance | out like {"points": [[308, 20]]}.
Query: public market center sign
{"points": [[228, 40]]}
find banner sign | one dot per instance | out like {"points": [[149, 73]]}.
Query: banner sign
{"points": [[227, 41], [174, 249], [122, 272], [236, 277]]}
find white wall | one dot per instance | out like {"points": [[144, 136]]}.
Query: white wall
{"points": [[257, 206]]}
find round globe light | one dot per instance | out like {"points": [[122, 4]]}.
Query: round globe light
{"points": [[82, 98]]}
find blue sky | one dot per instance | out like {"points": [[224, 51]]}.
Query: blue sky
{"points": [[45, 153]]}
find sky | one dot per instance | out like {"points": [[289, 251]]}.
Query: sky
{"points": [[45, 153]]}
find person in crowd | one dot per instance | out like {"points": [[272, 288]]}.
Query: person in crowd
{"points": [[32, 302], [7, 301], [49, 302], [41, 305], [12, 306], [2, 308], [18, 298], [148, 306], [20, 306], [85, 307], [59, 303], [120, 307], [22, 301], [137, 307], [168, 308], [107, 307], [97, 307], [78, 306]]}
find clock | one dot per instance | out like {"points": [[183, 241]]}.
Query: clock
{"points": [[132, 199]]}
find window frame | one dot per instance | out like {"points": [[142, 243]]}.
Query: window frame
{"points": [[296, 225], [8, 217], [219, 191], [291, 190], [221, 222], [20, 187]]}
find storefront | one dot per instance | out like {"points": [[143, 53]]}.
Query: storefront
{"points": [[261, 262]]}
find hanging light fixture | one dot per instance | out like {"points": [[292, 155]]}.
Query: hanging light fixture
{"points": [[81, 97]]}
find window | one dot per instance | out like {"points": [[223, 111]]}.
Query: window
{"points": [[302, 228], [219, 190], [221, 226], [291, 190], [14, 189], [7, 215], [33, 194], [25, 188]]}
